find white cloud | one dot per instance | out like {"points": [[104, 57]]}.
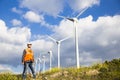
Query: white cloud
{"points": [[14, 9], [78, 5], [54, 7], [51, 7], [13, 41], [36, 18], [86, 59], [16, 22], [13, 35], [110, 30], [65, 28], [33, 17], [42, 45], [4, 68]]}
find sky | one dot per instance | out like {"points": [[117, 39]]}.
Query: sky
{"points": [[23, 21]]}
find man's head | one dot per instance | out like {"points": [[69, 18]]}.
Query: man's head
{"points": [[29, 45]]}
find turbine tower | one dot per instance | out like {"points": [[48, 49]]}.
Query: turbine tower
{"points": [[75, 21], [58, 46], [43, 57], [38, 62], [50, 53]]}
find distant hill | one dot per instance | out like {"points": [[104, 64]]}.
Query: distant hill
{"points": [[109, 70], [5, 71]]}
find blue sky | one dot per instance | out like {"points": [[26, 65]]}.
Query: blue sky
{"points": [[27, 20]]}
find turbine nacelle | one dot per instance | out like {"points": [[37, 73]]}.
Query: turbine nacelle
{"points": [[58, 42], [43, 57], [73, 19], [49, 51]]}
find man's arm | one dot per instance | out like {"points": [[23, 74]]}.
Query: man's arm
{"points": [[24, 52], [33, 57]]}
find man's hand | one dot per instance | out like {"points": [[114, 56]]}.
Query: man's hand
{"points": [[22, 62]]}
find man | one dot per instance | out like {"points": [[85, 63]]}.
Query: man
{"points": [[28, 60]]}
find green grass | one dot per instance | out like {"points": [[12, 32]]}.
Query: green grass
{"points": [[109, 70]]}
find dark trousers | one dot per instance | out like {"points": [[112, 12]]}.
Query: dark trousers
{"points": [[27, 65]]}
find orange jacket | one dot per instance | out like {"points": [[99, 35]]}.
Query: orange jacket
{"points": [[27, 55]]}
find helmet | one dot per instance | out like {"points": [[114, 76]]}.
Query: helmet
{"points": [[29, 43]]}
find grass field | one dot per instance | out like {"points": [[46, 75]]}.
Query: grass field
{"points": [[109, 70]]}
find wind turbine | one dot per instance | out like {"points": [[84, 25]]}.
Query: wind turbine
{"points": [[58, 42], [38, 62], [43, 58], [35, 66], [50, 52], [75, 21]]}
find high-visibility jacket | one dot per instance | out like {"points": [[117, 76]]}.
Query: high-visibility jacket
{"points": [[28, 55]]}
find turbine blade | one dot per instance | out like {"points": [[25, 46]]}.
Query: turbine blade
{"points": [[65, 38], [61, 17], [40, 60], [70, 19], [50, 52], [82, 12], [52, 38]]}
